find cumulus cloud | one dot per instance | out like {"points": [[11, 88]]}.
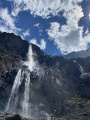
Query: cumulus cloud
{"points": [[25, 34], [41, 8], [42, 45], [7, 22], [68, 39], [73, 13]]}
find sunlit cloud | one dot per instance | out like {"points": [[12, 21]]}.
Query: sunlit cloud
{"points": [[42, 44], [25, 34], [7, 22]]}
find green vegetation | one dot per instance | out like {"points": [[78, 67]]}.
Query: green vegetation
{"points": [[79, 102]]}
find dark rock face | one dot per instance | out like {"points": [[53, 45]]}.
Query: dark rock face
{"points": [[13, 43], [6, 116], [15, 117], [12, 50], [63, 91]]}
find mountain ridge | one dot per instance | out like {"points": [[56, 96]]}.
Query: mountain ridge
{"points": [[79, 54]]}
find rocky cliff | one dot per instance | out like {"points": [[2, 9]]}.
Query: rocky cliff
{"points": [[63, 90]]}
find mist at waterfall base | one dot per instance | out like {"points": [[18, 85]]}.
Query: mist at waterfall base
{"points": [[19, 100]]}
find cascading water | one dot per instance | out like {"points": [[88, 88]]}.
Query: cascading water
{"points": [[25, 106], [81, 69], [19, 101], [12, 103], [83, 73]]}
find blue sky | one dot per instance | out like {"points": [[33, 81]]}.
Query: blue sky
{"points": [[56, 26]]}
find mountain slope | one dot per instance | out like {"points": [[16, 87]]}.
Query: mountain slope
{"points": [[63, 90], [80, 54]]}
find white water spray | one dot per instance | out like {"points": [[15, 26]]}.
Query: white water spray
{"points": [[25, 106], [30, 63], [19, 100], [22, 77], [14, 92]]}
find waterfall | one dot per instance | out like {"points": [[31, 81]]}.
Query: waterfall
{"points": [[18, 103], [25, 106], [14, 93], [81, 69], [19, 100], [30, 63], [83, 73]]}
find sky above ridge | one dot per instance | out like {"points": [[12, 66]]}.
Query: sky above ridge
{"points": [[56, 26]]}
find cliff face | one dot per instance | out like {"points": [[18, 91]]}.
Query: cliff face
{"points": [[12, 50], [63, 90]]}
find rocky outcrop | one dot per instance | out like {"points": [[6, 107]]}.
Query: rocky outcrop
{"points": [[6, 116]]}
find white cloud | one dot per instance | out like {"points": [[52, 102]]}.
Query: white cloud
{"points": [[37, 7], [42, 45], [73, 13], [43, 8], [67, 39], [37, 25], [25, 34], [16, 11], [4, 15], [7, 22]]}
